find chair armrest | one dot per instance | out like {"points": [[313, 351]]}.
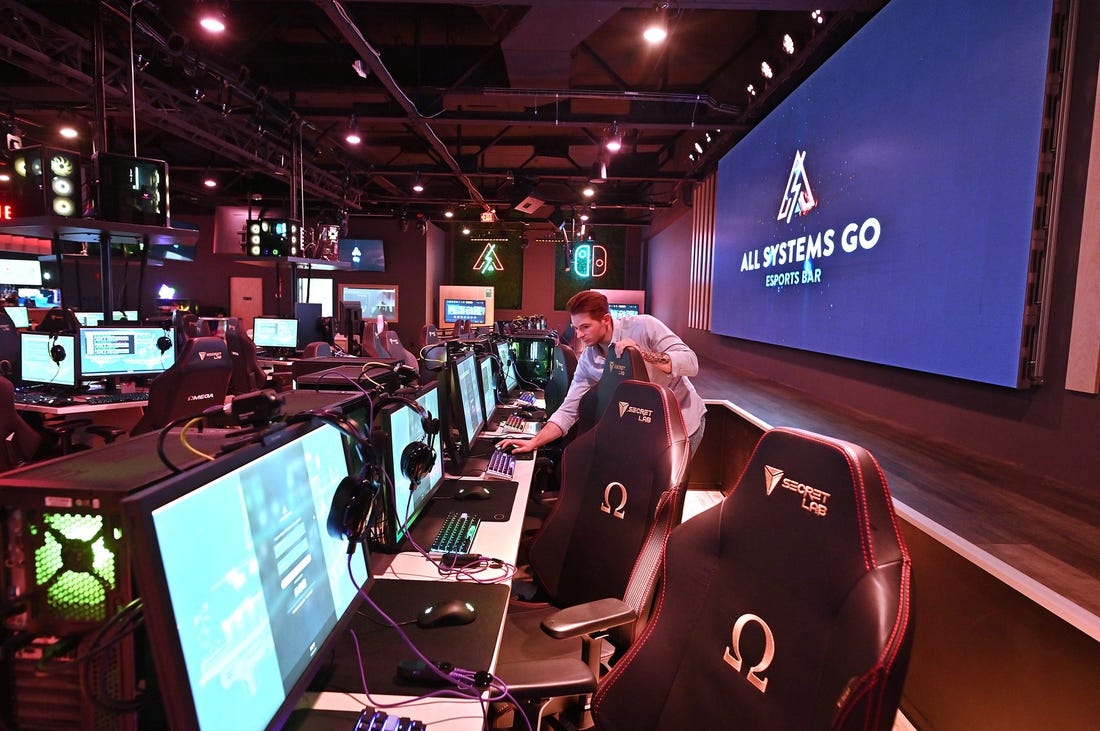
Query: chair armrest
{"points": [[583, 619]]}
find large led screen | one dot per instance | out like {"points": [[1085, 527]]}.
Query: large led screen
{"points": [[883, 212]]}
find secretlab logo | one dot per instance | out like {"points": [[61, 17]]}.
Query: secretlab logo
{"points": [[212, 355], [645, 416], [798, 197], [814, 501]]}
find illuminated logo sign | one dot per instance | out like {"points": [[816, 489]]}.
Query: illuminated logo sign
{"points": [[211, 354], [645, 416], [488, 261], [734, 659], [814, 501], [797, 198], [590, 260]]}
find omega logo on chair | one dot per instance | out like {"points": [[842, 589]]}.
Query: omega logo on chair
{"points": [[732, 655], [620, 511]]}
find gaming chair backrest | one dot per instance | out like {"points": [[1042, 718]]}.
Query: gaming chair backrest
{"points": [[429, 335], [20, 441], [613, 477], [248, 375], [10, 347], [786, 606], [197, 380], [565, 364], [616, 368], [372, 345], [392, 344], [317, 349], [58, 320]]}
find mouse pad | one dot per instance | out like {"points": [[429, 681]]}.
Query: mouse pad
{"points": [[495, 508], [468, 646]]}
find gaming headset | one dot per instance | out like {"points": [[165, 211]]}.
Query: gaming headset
{"points": [[418, 458], [164, 342], [56, 349]]}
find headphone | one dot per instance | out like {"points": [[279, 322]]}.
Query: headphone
{"points": [[164, 342], [349, 514], [56, 350], [418, 457]]}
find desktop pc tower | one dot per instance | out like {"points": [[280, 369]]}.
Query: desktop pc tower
{"points": [[131, 190], [47, 182]]}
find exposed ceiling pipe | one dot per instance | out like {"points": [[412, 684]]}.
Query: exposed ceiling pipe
{"points": [[347, 27]]}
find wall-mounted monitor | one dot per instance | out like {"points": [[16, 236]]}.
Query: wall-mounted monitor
{"points": [[375, 299], [49, 359], [624, 302], [275, 332], [623, 309], [473, 303], [885, 210], [21, 272], [127, 350], [364, 255]]}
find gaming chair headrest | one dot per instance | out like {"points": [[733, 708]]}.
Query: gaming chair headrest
{"points": [[644, 415], [203, 352], [317, 349], [815, 508], [59, 320]]}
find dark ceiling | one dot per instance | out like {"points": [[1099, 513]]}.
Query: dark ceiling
{"points": [[487, 102]]}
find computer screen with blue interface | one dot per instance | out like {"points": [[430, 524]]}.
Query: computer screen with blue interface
{"points": [[469, 398], [471, 310], [488, 386], [128, 350], [19, 315], [504, 350], [619, 310], [48, 359], [404, 425], [241, 581], [275, 332]]}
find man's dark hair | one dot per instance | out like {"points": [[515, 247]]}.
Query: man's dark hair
{"points": [[589, 302]]}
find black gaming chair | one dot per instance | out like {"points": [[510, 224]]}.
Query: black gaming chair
{"points": [[10, 348], [58, 320], [616, 503], [391, 343], [197, 380], [19, 441], [784, 607], [561, 375], [247, 375], [371, 344], [616, 369]]}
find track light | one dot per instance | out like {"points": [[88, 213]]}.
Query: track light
{"points": [[817, 17], [613, 141], [766, 70], [448, 213], [788, 44], [599, 173], [352, 135], [588, 191], [209, 180], [656, 30], [418, 185], [212, 18], [66, 128]]}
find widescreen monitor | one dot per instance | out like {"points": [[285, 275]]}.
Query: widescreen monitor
{"points": [[507, 366], [21, 272], [48, 359], [275, 332], [848, 220], [466, 398], [127, 350], [244, 589], [401, 426], [488, 385], [364, 255], [620, 309], [93, 318], [19, 314], [471, 310]]}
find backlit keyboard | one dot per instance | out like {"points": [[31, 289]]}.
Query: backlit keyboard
{"points": [[117, 398], [514, 422], [382, 721], [43, 399], [501, 464], [456, 535], [525, 397]]}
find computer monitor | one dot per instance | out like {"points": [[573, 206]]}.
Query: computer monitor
{"points": [[507, 367], [20, 316], [125, 350], [471, 310], [244, 590], [46, 358], [402, 426], [94, 318], [620, 309], [275, 332], [466, 401], [487, 382], [310, 327]]}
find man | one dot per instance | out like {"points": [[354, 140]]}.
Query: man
{"points": [[594, 326]]}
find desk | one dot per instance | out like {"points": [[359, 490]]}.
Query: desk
{"points": [[79, 407]]}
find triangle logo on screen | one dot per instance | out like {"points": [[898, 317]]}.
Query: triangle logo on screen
{"points": [[772, 477], [797, 198]]}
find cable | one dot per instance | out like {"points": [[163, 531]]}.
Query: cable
{"points": [[187, 445]]}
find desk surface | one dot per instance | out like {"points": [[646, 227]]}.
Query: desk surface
{"points": [[79, 406]]}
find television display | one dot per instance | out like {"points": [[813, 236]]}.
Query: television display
{"points": [[21, 272], [884, 211], [401, 426], [20, 316], [129, 350], [244, 589], [464, 309], [364, 255], [619, 309], [275, 332], [48, 359], [375, 300]]}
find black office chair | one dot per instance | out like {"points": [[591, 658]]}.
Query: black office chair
{"points": [[786, 606], [621, 486], [19, 442], [10, 348], [247, 375], [197, 380], [58, 320]]}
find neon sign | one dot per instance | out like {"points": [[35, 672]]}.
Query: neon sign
{"points": [[589, 260]]}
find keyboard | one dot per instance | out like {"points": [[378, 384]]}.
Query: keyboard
{"points": [[501, 464], [518, 424], [525, 398], [382, 721], [117, 397], [43, 399], [456, 535]]}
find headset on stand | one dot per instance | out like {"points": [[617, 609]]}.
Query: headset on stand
{"points": [[418, 458]]}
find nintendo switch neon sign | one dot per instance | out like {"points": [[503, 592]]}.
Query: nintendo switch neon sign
{"points": [[589, 260]]}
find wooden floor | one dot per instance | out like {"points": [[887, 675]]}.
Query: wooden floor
{"points": [[1038, 535]]}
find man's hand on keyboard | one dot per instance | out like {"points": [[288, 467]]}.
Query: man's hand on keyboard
{"points": [[516, 445]]}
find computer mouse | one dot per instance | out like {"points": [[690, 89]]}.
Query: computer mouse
{"points": [[447, 613], [506, 447], [473, 492]]}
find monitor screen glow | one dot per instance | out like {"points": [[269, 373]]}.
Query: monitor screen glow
{"points": [[37, 362], [404, 426], [619, 310], [469, 397], [472, 310], [275, 332], [20, 316], [488, 386], [125, 351]]}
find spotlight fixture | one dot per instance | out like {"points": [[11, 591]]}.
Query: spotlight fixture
{"points": [[198, 94], [465, 230], [817, 17], [788, 44], [418, 184], [352, 135], [66, 128], [448, 213], [766, 70], [212, 18], [209, 180], [599, 173], [698, 147], [751, 89], [588, 191], [5, 177], [613, 140], [657, 29]]}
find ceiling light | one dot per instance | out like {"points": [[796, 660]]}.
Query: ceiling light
{"points": [[209, 180], [352, 136], [212, 18], [788, 44], [657, 29], [66, 128], [5, 177], [766, 70], [817, 17], [448, 213], [465, 230], [599, 173], [588, 191], [613, 141], [751, 89], [418, 185], [698, 147]]}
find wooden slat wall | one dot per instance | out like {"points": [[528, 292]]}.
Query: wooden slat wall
{"points": [[702, 253]]}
